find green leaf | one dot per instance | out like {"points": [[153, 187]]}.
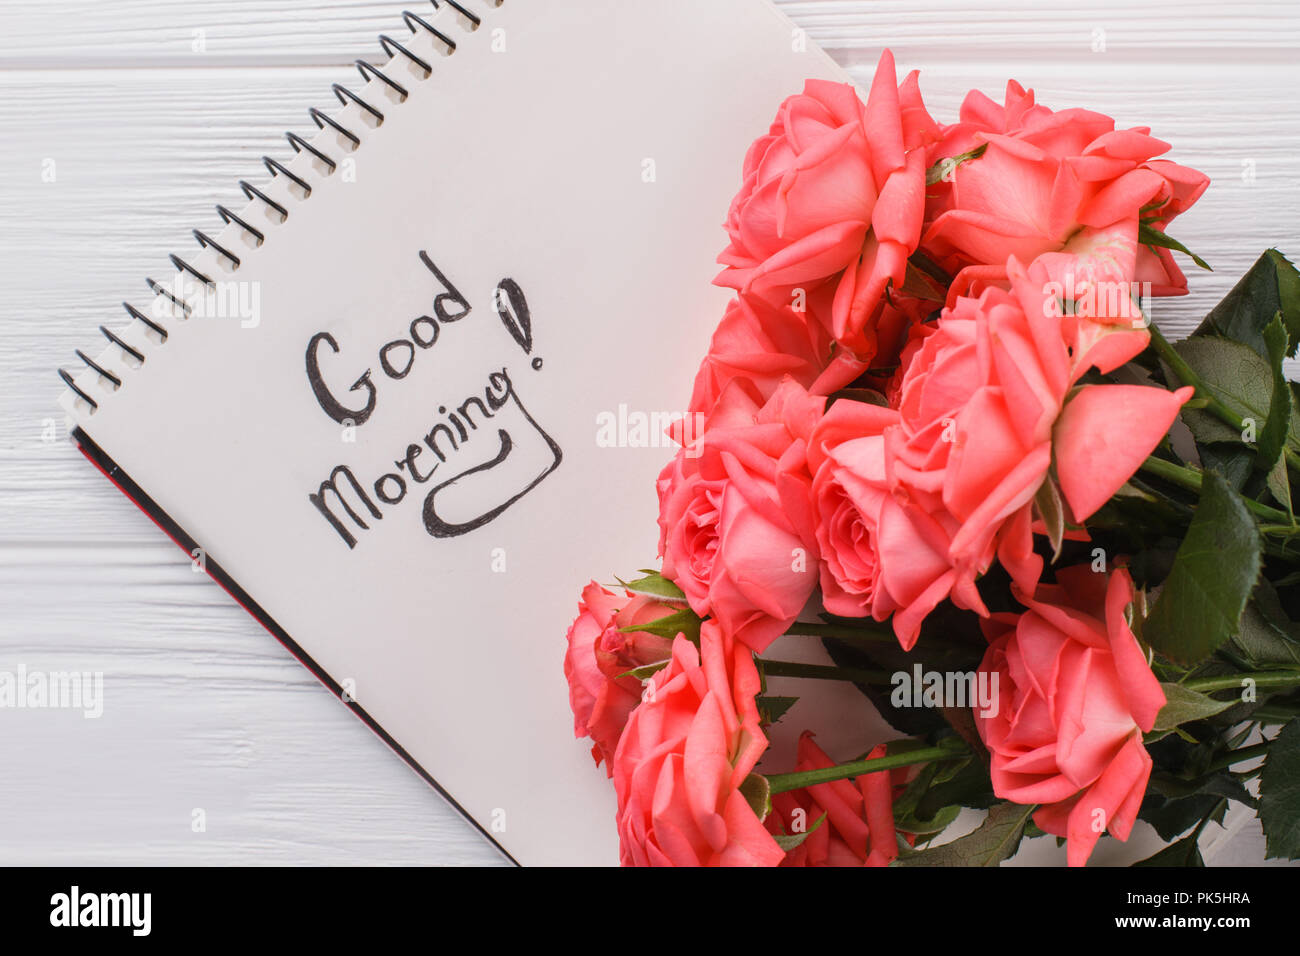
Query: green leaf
{"points": [[906, 802], [654, 583], [907, 819], [1186, 852], [1279, 485], [996, 839], [1269, 603], [646, 670], [1219, 784], [1051, 508], [928, 827], [1226, 785], [758, 794], [1171, 818], [772, 709], [1273, 436], [1182, 706], [1149, 235], [1288, 293], [788, 841], [1234, 460], [684, 621], [1261, 640], [1271, 286], [968, 787], [1279, 794], [1239, 378], [1214, 571]]}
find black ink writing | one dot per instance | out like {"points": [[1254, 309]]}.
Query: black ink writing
{"points": [[396, 358], [496, 448]]}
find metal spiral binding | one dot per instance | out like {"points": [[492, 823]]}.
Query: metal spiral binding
{"points": [[418, 27]]}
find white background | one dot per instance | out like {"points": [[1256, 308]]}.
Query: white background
{"points": [[150, 112]]}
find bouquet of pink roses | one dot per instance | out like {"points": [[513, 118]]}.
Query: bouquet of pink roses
{"points": [[936, 433]]}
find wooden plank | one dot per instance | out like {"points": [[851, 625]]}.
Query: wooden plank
{"points": [[143, 32]]}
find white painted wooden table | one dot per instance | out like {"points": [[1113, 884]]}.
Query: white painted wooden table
{"points": [[123, 121]]}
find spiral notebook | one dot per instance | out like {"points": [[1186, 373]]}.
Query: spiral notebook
{"points": [[405, 393]]}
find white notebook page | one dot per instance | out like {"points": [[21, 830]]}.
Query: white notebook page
{"points": [[585, 151]]}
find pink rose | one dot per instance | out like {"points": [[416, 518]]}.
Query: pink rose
{"points": [[859, 825], [847, 459], [1075, 695], [763, 343], [599, 652], [834, 192], [735, 517], [1051, 182], [683, 757], [980, 419], [972, 447]]}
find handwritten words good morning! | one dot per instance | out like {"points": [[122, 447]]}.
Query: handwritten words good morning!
{"points": [[477, 456]]}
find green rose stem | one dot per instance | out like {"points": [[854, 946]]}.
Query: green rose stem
{"points": [[1190, 478], [1188, 376], [781, 782], [823, 672], [1233, 681], [843, 632]]}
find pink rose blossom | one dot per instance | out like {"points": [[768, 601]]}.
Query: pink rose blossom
{"points": [[735, 517], [763, 343], [847, 460], [1075, 696], [599, 652], [683, 757], [1051, 182], [835, 193], [978, 427]]}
